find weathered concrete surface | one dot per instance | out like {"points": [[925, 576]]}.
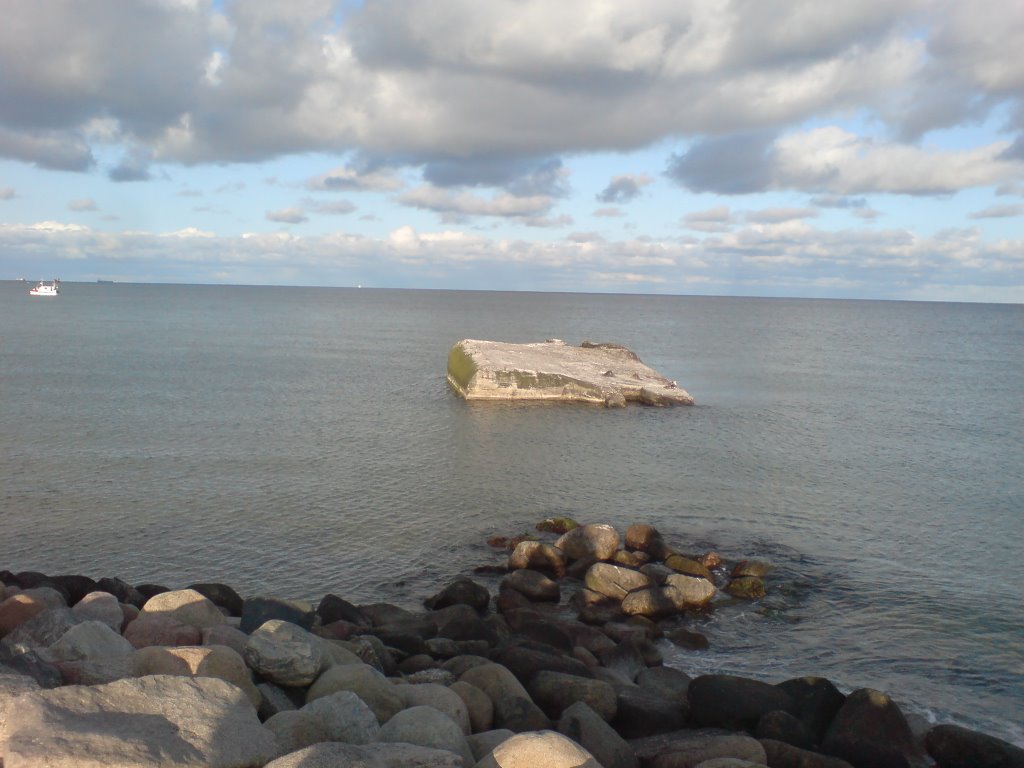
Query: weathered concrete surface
{"points": [[553, 370]]}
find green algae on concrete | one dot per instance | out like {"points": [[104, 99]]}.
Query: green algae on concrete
{"points": [[604, 373]]}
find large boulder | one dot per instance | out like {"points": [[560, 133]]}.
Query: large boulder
{"points": [[184, 605], [256, 611], [199, 661], [296, 730], [533, 585], [554, 692], [147, 721], [440, 697], [427, 727], [614, 581], [89, 640], [11, 686], [649, 602], [870, 731], [285, 653], [736, 703], [640, 712], [41, 631], [953, 746], [783, 755], [817, 701], [543, 749], [588, 729], [461, 591], [365, 682], [333, 608], [345, 717], [688, 566], [685, 749], [539, 556], [646, 538], [334, 754], [688, 592], [161, 629], [595, 541], [100, 606], [20, 607], [478, 704], [221, 595]]}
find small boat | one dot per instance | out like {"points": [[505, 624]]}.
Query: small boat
{"points": [[51, 288]]}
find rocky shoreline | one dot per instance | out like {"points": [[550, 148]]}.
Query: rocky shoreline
{"points": [[561, 668]]}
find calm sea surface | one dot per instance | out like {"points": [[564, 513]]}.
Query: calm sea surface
{"points": [[294, 441]]}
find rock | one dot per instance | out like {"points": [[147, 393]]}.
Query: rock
{"points": [[333, 754], [749, 587], [184, 605], [495, 680], [258, 610], [782, 755], [736, 703], [588, 729], [459, 664], [75, 587], [19, 608], [440, 697], [650, 602], [285, 654], [461, 591], [955, 747], [817, 700], [614, 581], [41, 631], [687, 749], [146, 721], [688, 593], [100, 606], [519, 715], [151, 590], [478, 705], [11, 686], [646, 538], [481, 744], [161, 629], [540, 630], [527, 661], [554, 692], [365, 682], [870, 730], [221, 595], [223, 634], [124, 592], [685, 638], [89, 640], [106, 669], [295, 730], [784, 727], [32, 665], [345, 717], [758, 568], [597, 541], [200, 661], [533, 585], [491, 370], [625, 660], [557, 525], [546, 749], [435, 676], [273, 700], [461, 621], [426, 727], [666, 682], [333, 608], [631, 559], [640, 712], [539, 556], [688, 566]]}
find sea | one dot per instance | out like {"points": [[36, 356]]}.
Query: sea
{"points": [[298, 441]]}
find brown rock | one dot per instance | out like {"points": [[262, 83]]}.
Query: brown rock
{"points": [[157, 629]]}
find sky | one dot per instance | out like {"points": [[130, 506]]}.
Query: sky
{"points": [[872, 149]]}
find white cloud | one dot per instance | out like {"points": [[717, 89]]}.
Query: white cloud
{"points": [[461, 204], [7, 193], [348, 178], [779, 215], [999, 212], [717, 219], [82, 204], [287, 216], [624, 188]]}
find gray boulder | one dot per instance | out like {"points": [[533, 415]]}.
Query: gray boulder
{"points": [[333, 754], [870, 730], [533, 585], [440, 697], [41, 631], [587, 728], [365, 682], [666, 682], [537, 555], [736, 703], [256, 611], [686, 749], [614, 581], [478, 705], [11, 686], [345, 717], [89, 640], [295, 729], [184, 605], [482, 743], [495, 680], [599, 542], [427, 727], [688, 592], [953, 746], [100, 606], [147, 721], [554, 692], [285, 654]]}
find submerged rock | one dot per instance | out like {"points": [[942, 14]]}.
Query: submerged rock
{"points": [[605, 374]]}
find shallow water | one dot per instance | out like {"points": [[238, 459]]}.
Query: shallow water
{"points": [[297, 441]]}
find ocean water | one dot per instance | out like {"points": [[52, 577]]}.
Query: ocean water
{"points": [[298, 441]]}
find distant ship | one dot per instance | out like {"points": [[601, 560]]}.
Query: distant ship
{"points": [[44, 288]]}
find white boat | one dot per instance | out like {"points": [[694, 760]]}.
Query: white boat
{"points": [[45, 288]]}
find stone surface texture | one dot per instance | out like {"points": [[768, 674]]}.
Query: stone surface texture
{"points": [[542, 749], [554, 370]]}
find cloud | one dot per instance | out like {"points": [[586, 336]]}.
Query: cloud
{"points": [[350, 179], [287, 216], [83, 204], [338, 207], [624, 188], [999, 212], [717, 219], [779, 215], [133, 167], [832, 161], [7, 193], [462, 204], [609, 212], [53, 150]]}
